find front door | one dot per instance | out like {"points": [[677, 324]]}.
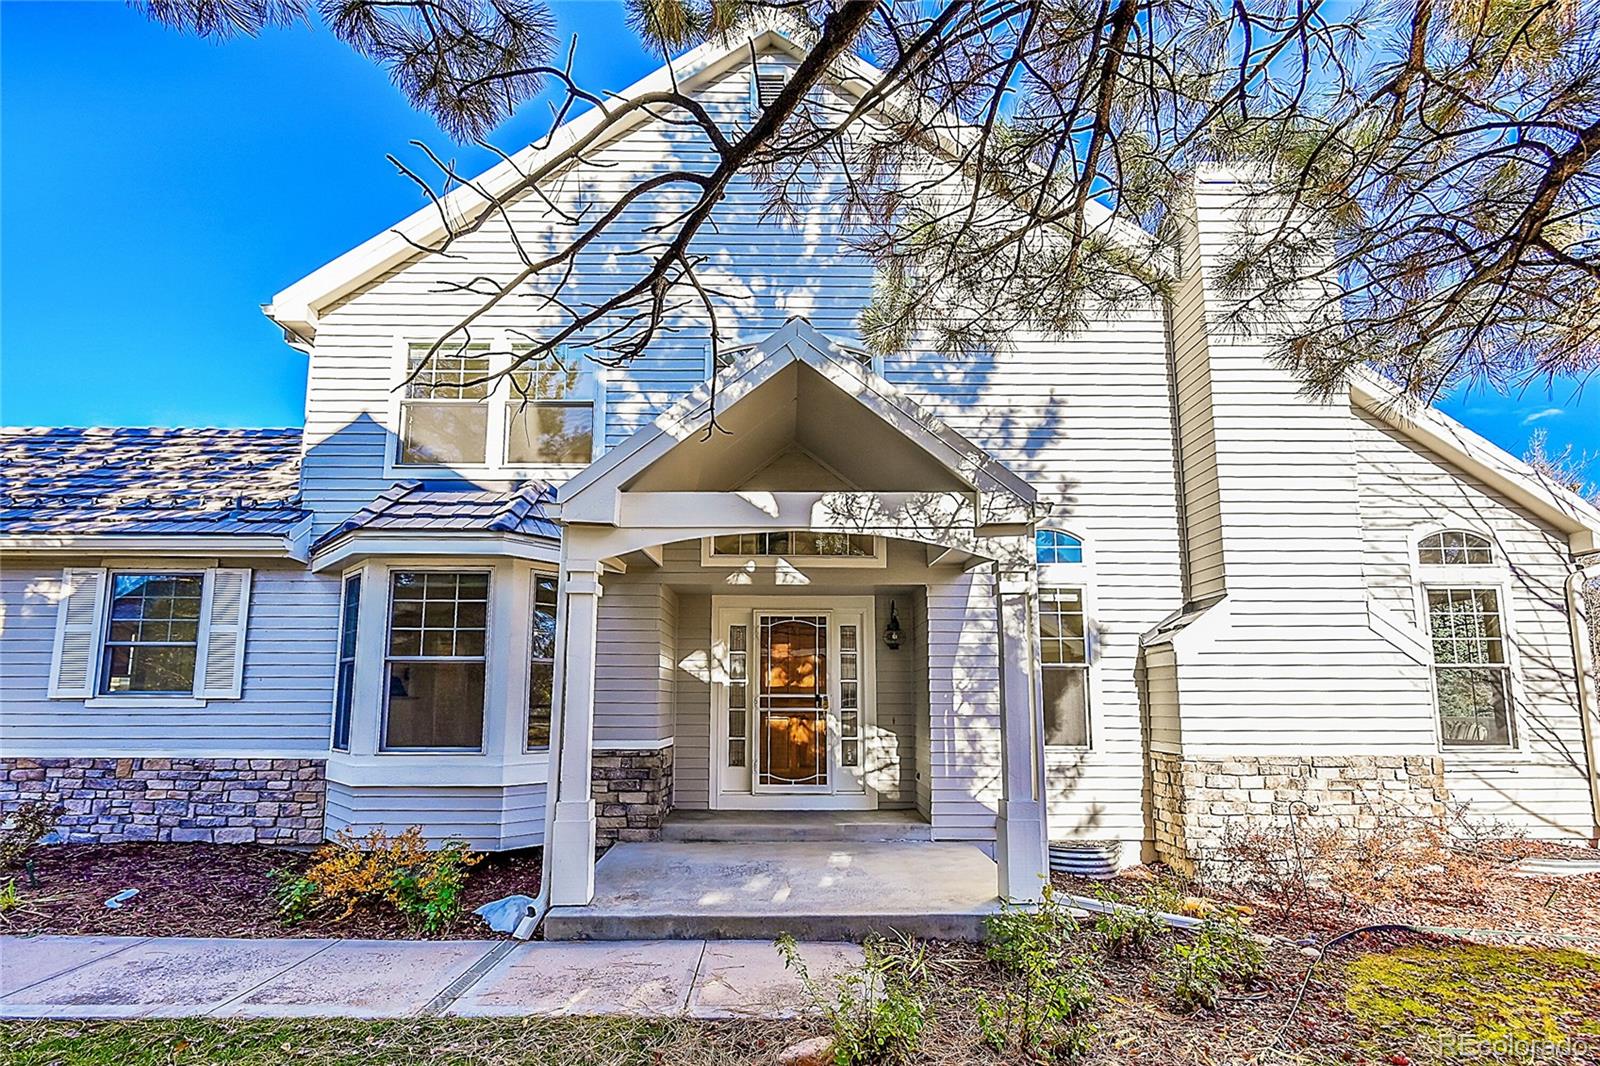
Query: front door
{"points": [[792, 706]]}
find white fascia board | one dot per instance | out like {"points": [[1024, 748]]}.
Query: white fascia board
{"points": [[356, 546], [1443, 435], [177, 545], [296, 307]]}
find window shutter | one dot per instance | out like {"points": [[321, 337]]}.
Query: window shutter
{"points": [[221, 670], [77, 647]]}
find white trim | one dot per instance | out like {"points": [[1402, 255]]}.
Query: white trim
{"points": [[632, 745], [172, 546], [52, 750], [156, 700], [373, 544], [878, 560]]}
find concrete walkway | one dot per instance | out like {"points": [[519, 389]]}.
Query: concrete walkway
{"points": [[138, 977]]}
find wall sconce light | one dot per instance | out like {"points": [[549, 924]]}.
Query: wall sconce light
{"points": [[892, 634]]}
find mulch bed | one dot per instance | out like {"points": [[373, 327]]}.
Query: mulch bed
{"points": [[217, 890]]}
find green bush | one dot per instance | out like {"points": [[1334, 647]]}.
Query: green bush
{"points": [[1222, 953], [22, 828], [1045, 1011], [877, 1013], [425, 885], [1128, 931]]}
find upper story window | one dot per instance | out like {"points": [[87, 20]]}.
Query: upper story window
{"points": [[1055, 546], [1455, 548], [152, 640], [465, 407]]}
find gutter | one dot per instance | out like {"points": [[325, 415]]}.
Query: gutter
{"points": [[1580, 626]]}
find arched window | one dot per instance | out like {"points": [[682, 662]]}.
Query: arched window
{"points": [[1455, 547], [1055, 546]]}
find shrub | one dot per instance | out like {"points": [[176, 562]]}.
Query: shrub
{"points": [[24, 827], [1222, 953], [1128, 931], [876, 1014], [423, 885], [1045, 1011]]}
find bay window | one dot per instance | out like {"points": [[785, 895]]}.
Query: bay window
{"points": [[542, 662], [435, 660], [345, 671]]}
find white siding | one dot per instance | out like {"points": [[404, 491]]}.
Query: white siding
{"points": [[287, 693], [495, 818], [1405, 489]]}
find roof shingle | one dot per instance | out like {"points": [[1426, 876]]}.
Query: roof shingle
{"points": [[418, 506], [71, 481]]}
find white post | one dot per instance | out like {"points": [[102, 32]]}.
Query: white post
{"points": [[571, 840], [1020, 850]]}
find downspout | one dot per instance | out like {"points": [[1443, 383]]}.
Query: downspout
{"points": [[1583, 657]]}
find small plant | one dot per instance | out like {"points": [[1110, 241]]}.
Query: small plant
{"points": [[10, 898], [424, 885], [1045, 1012], [877, 1013], [1128, 931], [1222, 953], [24, 827]]}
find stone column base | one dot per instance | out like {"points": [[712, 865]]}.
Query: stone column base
{"points": [[632, 793]]}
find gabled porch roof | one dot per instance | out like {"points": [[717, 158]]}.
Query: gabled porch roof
{"points": [[798, 423]]}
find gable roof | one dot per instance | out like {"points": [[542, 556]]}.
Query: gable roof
{"points": [[418, 506], [585, 497], [297, 307], [68, 483], [1442, 435]]}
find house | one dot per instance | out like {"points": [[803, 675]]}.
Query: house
{"points": [[907, 617]]}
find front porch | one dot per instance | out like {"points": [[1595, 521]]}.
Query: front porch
{"points": [[820, 619]]}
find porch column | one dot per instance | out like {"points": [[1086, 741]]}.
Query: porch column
{"points": [[572, 828], [1020, 849]]}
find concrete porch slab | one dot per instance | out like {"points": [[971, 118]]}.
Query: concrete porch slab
{"points": [[160, 978], [636, 979], [812, 890], [362, 979]]}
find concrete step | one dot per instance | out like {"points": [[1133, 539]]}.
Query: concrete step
{"points": [[577, 923], [747, 827]]}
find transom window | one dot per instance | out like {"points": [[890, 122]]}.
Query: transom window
{"points": [[1064, 664], [542, 662], [795, 544], [152, 634], [1455, 548], [1055, 546], [462, 407], [1471, 670], [435, 662]]}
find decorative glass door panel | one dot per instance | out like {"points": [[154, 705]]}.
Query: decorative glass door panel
{"points": [[792, 703]]}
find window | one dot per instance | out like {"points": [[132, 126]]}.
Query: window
{"points": [[345, 675], [795, 544], [1064, 664], [1455, 548], [438, 625], [542, 661], [152, 642], [1054, 546], [444, 418], [550, 415], [1471, 671]]}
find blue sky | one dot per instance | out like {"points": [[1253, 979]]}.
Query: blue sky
{"points": [[156, 189]]}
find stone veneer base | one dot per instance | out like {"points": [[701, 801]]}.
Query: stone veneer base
{"points": [[1194, 801], [632, 792], [214, 801]]}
